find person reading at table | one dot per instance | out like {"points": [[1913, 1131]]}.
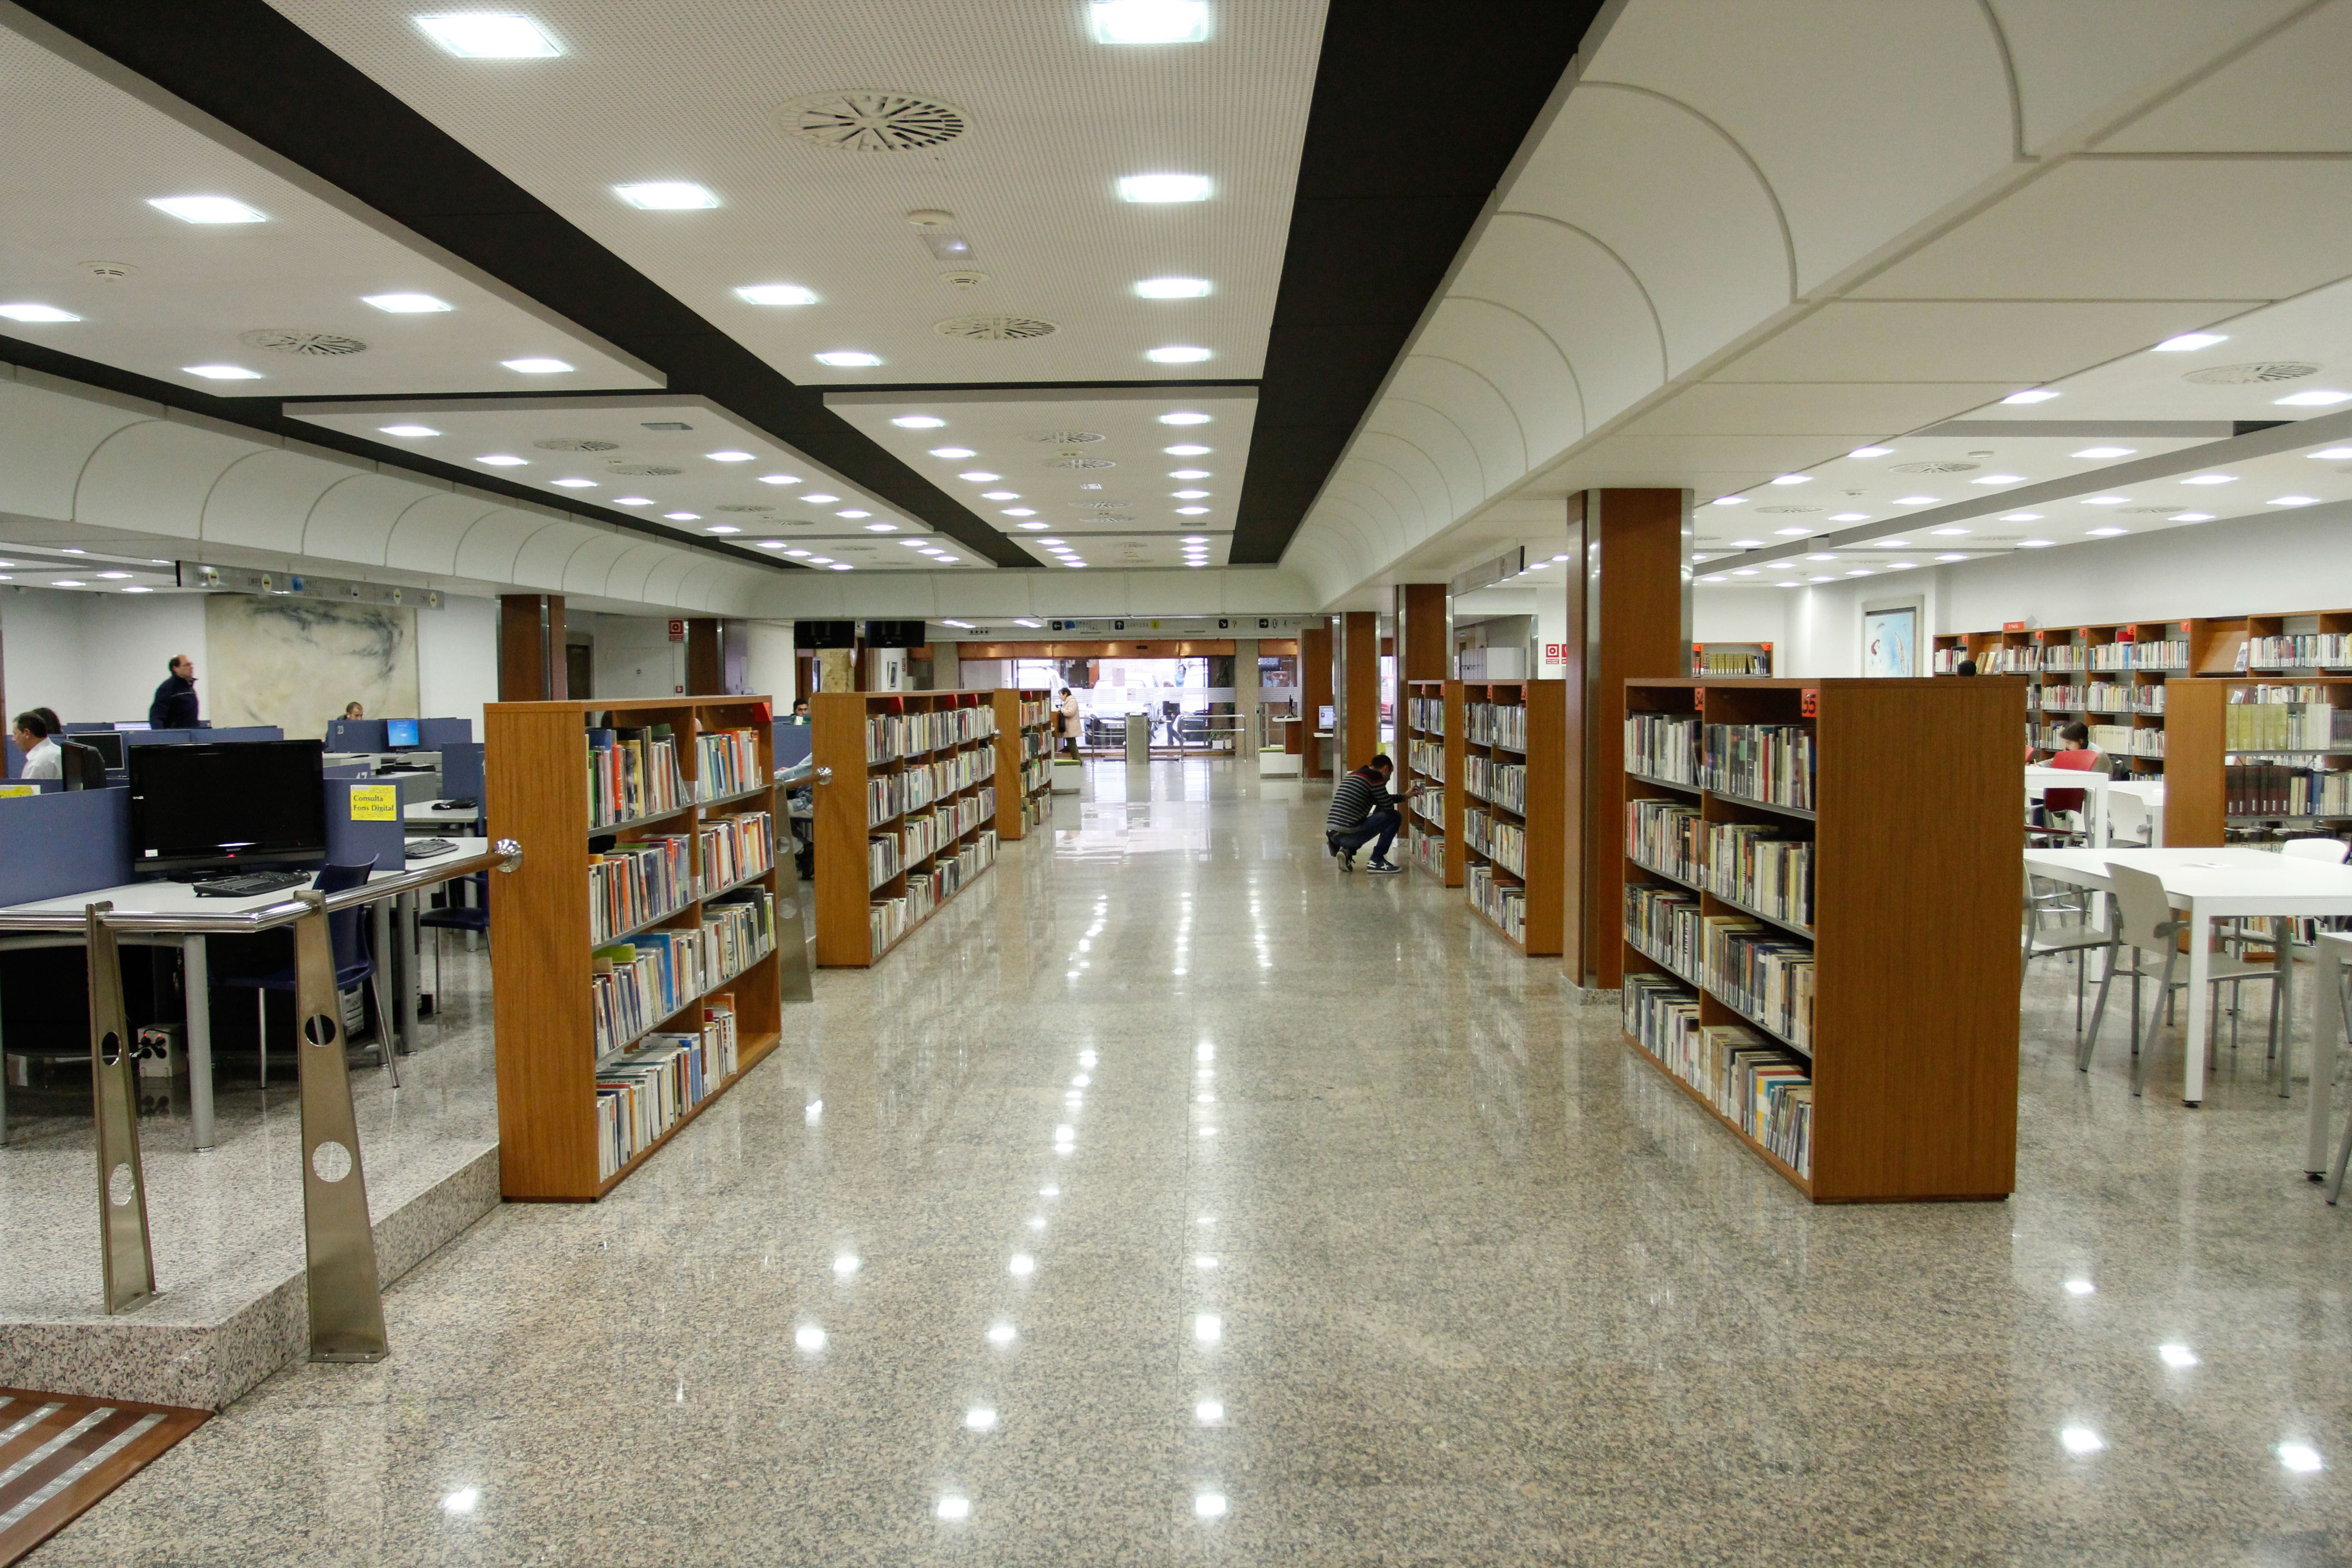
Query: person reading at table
{"points": [[2077, 754]]}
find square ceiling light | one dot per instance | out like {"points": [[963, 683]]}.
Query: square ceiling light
{"points": [[776, 294], [406, 304], [490, 36], [667, 195], [1149, 21], [1156, 188], [207, 209]]}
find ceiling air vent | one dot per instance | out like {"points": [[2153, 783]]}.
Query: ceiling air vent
{"points": [[871, 121], [1064, 438], [1782, 510], [1952, 466], [645, 470], [1072, 460], [1102, 505], [994, 328], [576, 443], [1997, 539], [744, 506], [1112, 516], [2253, 375], [309, 345]]}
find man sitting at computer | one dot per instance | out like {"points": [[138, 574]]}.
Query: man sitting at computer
{"points": [[42, 758]]}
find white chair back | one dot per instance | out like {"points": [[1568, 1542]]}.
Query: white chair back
{"points": [[2127, 818], [2143, 917], [2329, 851]]}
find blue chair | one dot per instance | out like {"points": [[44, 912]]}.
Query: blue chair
{"points": [[473, 918], [353, 964]]}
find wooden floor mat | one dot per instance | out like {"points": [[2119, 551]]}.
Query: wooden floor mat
{"points": [[60, 1453]]}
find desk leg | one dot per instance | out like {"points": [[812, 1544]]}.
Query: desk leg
{"points": [[2283, 954], [387, 956], [412, 972], [2200, 1007], [196, 980], [2326, 1035]]}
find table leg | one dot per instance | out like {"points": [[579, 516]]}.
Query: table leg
{"points": [[380, 927], [2201, 1002], [2326, 1035], [2283, 954], [412, 972], [196, 981]]}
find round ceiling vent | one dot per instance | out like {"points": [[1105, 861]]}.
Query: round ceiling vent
{"points": [[963, 278], [576, 443], [994, 328], [1951, 466], [871, 121], [2253, 375], [293, 340], [744, 506], [645, 470], [1781, 511], [1064, 438], [1103, 505], [1069, 460]]}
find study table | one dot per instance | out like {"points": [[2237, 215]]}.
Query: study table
{"points": [[2090, 781], [2208, 885], [61, 922]]}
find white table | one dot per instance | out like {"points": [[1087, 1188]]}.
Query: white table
{"points": [[181, 898], [424, 816], [2091, 781], [2209, 885], [2335, 950]]}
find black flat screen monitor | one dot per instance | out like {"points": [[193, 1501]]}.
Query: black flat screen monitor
{"points": [[893, 634], [80, 767], [400, 734], [825, 634], [107, 743], [198, 807]]}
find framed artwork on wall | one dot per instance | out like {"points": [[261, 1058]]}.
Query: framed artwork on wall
{"points": [[1890, 641]]}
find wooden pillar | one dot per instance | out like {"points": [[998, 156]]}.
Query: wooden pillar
{"points": [[1359, 688], [1424, 635], [530, 648], [1629, 612], [705, 671], [1314, 695], [1246, 699]]}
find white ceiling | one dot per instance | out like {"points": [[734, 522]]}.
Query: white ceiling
{"points": [[685, 91], [90, 146], [1123, 514], [729, 501]]}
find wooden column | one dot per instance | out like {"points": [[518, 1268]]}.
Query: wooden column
{"points": [[1424, 649], [1629, 613], [530, 648], [705, 674], [1314, 695], [1359, 688]]}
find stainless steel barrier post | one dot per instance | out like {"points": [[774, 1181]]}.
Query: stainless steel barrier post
{"points": [[129, 1260], [794, 931], [346, 1301]]}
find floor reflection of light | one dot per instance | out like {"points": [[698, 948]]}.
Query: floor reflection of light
{"points": [[847, 1265], [1208, 1327], [809, 1338], [1208, 1505], [2081, 1440], [955, 1507], [979, 1419], [1003, 1334], [1209, 1412]]}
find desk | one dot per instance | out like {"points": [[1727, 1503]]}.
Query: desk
{"points": [[2211, 885], [2093, 783], [423, 817], [58, 922]]}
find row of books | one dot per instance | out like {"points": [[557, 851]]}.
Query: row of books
{"points": [[1504, 784], [884, 859], [1428, 851], [893, 735], [2100, 697], [1666, 836], [1762, 971], [1503, 843], [734, 848], [1763, 761], [1708, 662], [2114, 740], [1430, 803], [727, 763], [1762, 1088], [738, 931], [2274, 789], [641, 1094], [1503, 724], [1762, 868], [2302, 650], [2286, 726], [1425, 757], [1034, 713], [1426, 714], [2163, 653], [1505, 903], [631, 884], [638, 982], [928, 782], [1035, 775], [631, 774], [1663, 745], [888, 920], [1664, 923], [932, 831]]}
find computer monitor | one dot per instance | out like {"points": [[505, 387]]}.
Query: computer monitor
{"points": [[212, 807], [107, 743], [400, 735], [81, 766]]}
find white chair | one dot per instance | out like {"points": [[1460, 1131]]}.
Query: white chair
{"points": [[2328, 851], [2145, 924], [2128, 820]]}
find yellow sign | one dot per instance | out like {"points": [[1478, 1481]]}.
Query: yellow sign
{"points": [[11, 792], [375, 802]]}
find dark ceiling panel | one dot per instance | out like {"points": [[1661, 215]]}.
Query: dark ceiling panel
{"points": [[1419, 108]]}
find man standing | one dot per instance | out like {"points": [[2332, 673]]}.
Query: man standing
{"points": [[1363, 809], [174, 707]]}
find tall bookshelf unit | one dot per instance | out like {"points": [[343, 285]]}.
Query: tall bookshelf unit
{"points": [[1514, 773], [2114, 679], [537, 768], [875, 852], [1024, 760], [1896, 923], [1432, 778]]}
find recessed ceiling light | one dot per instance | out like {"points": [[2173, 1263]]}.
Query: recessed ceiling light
{"points": [[952, 452], [796, 553], [779, 479], [2293, 501], [114, 576], [2107, 532], [2105, 501], [1184, 416], [1860, 571], [820, 560], [135, 588], [1871, 452], [729, 457], [2188, 342], [1792, 532], [2033, 544], [2020, 517], [1824, 577], [1951, 558], [1049, 542], [2096, 452], [1746, 543], [1173, 288], [1895, 545], [2319, 399], [2036, 395], [1194, 561], [1849, 517], [207, 209], [1745, 571], [633, 501], [1914, 501], [917, 422], [1191, 511], [818, 498], [406, 304], [36, 313], [666, 195], [1713, 577], [772, 544], [411, 432], [536, 366], [1177, 353], [1149, 21], [1188, 473], [935, 553], [574, 484], [1794, 479], [1186, 451], [853, 514], [490, 36], [2210, 480], [68, 582], [1189, 495], [1820, 557], [2190, 517], [841, 565], [849, 358], [722, 528], [979, 476], [504, 460], [1998, 480], [1731, 500], [1898, 566], [221, 372], [775, 294], [1000, 495], [1020, 511], [683, 516], [1164, 188], [2332, 455], [1947, 532], [1034, 525]]}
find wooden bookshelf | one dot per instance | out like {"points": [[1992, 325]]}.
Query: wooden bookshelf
{"points": [[1911, 1046], [845, 891], [1433, 843], [1024, 760], [1542, 816], [1731, 660], [2211, 794], [536, 767]]}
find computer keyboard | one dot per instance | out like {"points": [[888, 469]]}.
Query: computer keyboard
{"points": [[251, 884], [426, 849]]}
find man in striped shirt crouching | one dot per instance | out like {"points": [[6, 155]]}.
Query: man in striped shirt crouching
{"points": [[1363, 810]]}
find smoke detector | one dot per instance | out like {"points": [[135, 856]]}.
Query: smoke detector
{"points": [[871, 120], [576, 443], [1064, 438], [931, 217], [994, 328], [963, 278], [107, 271], [2255, 374], [307, 344]]}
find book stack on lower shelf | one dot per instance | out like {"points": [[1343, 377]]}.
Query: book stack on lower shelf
{"points": [[1431, 783], [1513, 781], [1024, 760], [1831, 973]]}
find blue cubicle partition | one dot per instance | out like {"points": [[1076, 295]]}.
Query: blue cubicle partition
{"points": [[434, 734], [69, 842], [461, 770], [241, 732], [355, 735], [793, 743], [350, 843], [158, 737]]}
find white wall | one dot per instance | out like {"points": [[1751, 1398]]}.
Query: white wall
{"points": [[982, 674], [769, 665], [1740, 614], [95, 656], [457, 659], [635, 657]]}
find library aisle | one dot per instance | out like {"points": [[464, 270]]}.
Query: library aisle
{"points": [[1174, 1197]]}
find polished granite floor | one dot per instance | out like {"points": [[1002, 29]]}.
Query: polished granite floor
{"points": [[1173, 1198]]}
